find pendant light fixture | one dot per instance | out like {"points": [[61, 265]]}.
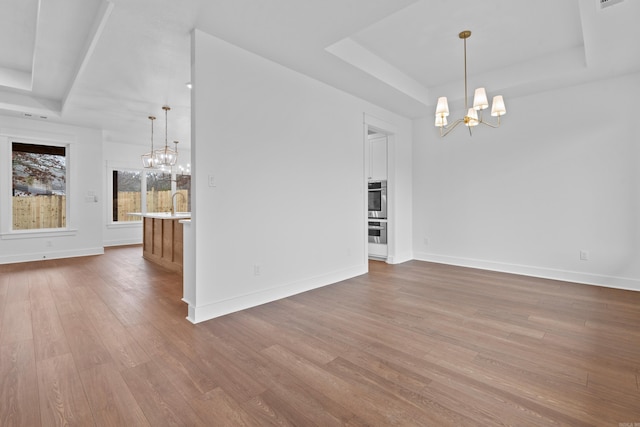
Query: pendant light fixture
{"points": [[148, 159], [166, 156], [480, 102]]}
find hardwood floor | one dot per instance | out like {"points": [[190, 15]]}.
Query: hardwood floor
{"points": [[104, 341]]}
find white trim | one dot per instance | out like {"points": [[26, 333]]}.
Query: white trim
{"points": [[379, 124], [122, 242], [35, 136], [39, 233], [125, 224], [40, 256], [390, 131], [220, 308], [533, 271], [400, 258]]}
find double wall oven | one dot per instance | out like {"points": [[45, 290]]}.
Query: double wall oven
{"points": [[378, 212]]}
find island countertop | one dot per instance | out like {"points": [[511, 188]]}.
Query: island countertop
{"points": [[163, 215]]}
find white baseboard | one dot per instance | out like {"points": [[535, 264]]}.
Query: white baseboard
{"points": [[542, 272], [41, 256], [123, 242], [399, 258], [201, 313]]}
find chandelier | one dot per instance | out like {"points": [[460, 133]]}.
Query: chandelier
{"points": [[166, 156], [480, 102], [148, 159]]}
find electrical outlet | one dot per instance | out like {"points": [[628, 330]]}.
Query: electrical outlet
{"points": [[426, 241], [256, 270], [584, 255], [212, 181]]}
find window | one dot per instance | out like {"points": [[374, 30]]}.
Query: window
{"points": [[158, 192], [127, 195], [39, 186], [183, 186], [139, 191]]}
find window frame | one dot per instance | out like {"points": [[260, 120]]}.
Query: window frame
{"points": [[122, 166], [7, 138], [109, 182]]}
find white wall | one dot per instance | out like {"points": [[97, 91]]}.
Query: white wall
{"points": [[84, 218], [561, 175], [286, 157]]}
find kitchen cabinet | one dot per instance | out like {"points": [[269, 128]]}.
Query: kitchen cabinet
{"points": [[378, 157], [163, 240]]}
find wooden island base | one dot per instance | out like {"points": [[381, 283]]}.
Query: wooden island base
{"points": [[162, 243]]}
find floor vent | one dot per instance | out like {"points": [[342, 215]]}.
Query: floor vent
{"points": [[606, 3]]}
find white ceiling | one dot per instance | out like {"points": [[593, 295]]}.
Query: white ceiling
{"points": [[110, 64]]}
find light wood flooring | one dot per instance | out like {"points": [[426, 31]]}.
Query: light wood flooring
{"points": [[103, 341]]}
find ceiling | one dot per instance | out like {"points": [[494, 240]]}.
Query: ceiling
{"points": [[109, 64]]}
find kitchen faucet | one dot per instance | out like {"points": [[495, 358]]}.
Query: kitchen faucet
{"points": [[173, 202]]}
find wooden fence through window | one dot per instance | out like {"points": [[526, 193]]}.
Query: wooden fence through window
{"points": [[35, 212]]}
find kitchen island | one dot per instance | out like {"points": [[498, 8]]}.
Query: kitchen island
{"points": [[162, 239]]}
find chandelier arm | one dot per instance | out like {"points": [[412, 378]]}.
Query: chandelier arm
{"points": [[493, 125], [451, 127]]}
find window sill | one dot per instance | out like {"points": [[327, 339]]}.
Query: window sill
{"points": [[35, 234]]}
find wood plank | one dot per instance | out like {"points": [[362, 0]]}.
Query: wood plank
{"points": [[84, 341], [110, 399], [18, 385], [16, 322], [48, 335], [373, 406], [157, 398], [217, 408], [124, 350], [62, 397]]}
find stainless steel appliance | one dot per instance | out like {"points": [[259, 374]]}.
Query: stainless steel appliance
{"points": [[378, 199], [378, 232]]}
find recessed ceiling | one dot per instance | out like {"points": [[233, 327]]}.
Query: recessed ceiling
{"points": [[426, 47], [110, 64], [18, 28]]}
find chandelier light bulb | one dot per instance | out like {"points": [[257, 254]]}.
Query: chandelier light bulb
{"points": [[498, 109], [443, 107], [472, 118], [480, 101]]}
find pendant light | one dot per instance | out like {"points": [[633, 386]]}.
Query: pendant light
{"points": [[166, 156], [148, 159]]}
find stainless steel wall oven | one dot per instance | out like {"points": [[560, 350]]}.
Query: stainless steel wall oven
{"points": [[378, 199], [377, 232]]}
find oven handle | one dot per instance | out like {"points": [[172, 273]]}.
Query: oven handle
{"points": [[376, 227]]}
